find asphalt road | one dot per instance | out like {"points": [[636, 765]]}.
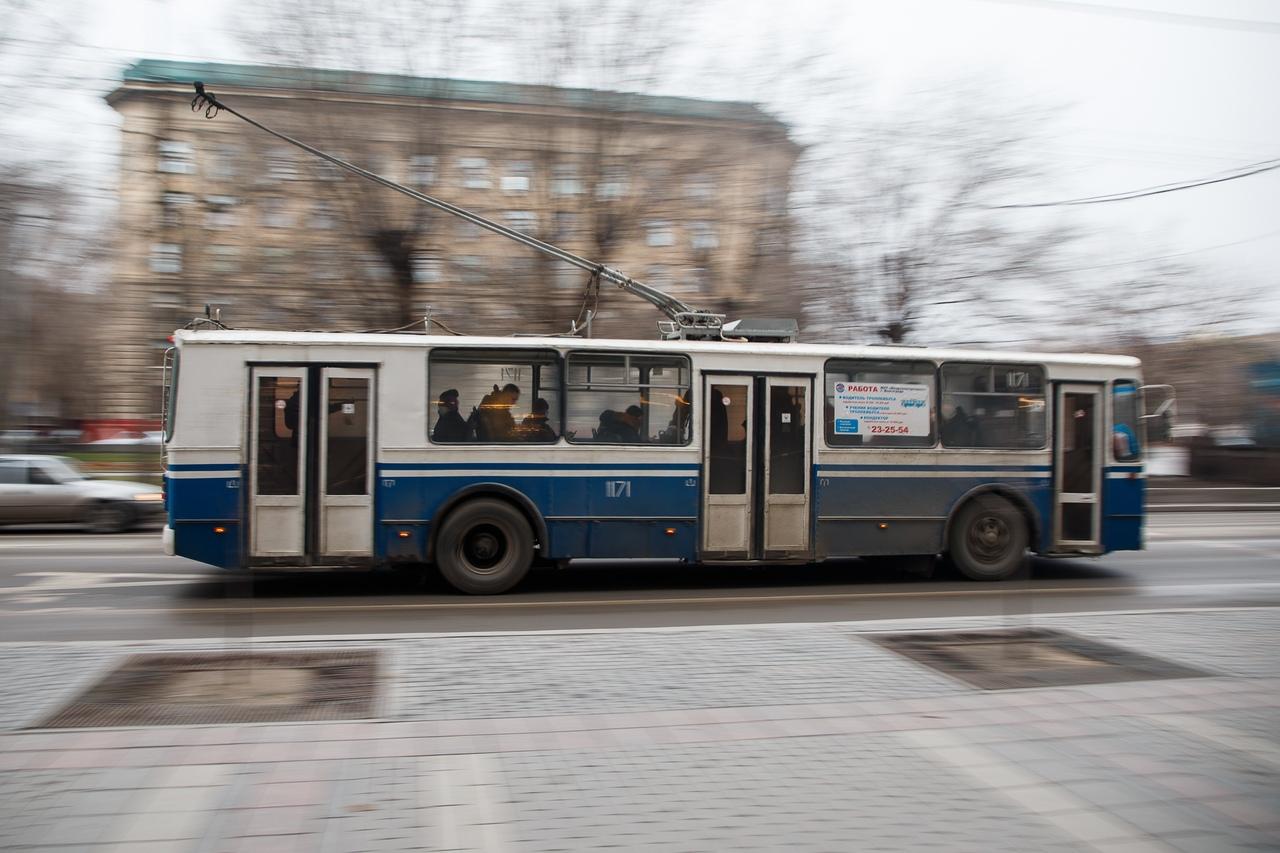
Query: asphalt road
{"points": [[63, 586]]}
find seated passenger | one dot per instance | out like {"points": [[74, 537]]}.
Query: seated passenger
{"points": [[678, 428], [494, 421], [625, 426], [535, 427], [449, 425]]}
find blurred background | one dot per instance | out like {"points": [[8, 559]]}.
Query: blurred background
{"points": [[883, 172]]}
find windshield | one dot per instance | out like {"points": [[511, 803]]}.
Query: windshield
{"points": [[62, 469]]}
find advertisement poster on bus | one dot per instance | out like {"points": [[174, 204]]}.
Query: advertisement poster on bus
{"points": [[881, 408]]}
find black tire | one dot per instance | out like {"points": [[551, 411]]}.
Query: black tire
{"points": [[485, 547], [988, 539], [108, 517]]}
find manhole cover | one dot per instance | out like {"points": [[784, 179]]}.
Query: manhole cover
{"points": [[1028, 657], [227, 687]]}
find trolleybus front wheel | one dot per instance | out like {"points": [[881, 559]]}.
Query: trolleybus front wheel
{"points": [[485, 547], [988, 539]]}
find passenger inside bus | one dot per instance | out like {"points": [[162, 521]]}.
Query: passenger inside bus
{"points": [[493, 419], [535, 426], [450, 426], [621, 427]]}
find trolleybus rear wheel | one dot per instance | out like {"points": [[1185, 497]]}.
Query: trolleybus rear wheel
{"points": [[988, 539], [485, 547]]}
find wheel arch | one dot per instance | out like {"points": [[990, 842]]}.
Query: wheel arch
{"points": [[1019, 500], [501, 492]]}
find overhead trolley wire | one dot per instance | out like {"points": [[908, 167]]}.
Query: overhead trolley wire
{"points": [[1235, 174]]}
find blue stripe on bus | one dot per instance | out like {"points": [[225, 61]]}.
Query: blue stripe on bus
{"points": [[602, 521], [215, 466]]}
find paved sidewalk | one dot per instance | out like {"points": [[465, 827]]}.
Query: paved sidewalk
{"points": [[795, 738]]}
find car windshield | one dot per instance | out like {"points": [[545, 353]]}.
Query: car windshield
{"points": [[61, 469]]}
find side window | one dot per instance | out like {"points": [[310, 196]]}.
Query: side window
{"points": [[1126, 429], [13, 473], [493, 396], [41, 477], [628, 399], [880, 403], [993, 405]]}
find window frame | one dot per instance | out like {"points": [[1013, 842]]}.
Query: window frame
{"points": [[478, 356], [1046, 392], [1139, 423], [935, 400], [568, 387]]}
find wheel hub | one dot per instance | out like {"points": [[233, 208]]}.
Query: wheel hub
{"points": [[990, 538], [484, 547]]}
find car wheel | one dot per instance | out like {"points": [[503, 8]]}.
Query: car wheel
{"points": [[485, 547], [108, 518], [988, 539]]}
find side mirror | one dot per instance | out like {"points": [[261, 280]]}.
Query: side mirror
{"points": [[1161, 403]]}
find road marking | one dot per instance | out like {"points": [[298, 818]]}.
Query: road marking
{"points": [[213, 609]]}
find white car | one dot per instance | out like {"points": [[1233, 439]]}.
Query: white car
{"points": [[51, 489]]}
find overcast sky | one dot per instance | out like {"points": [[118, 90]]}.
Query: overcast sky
{"points": [[1155, 91]]}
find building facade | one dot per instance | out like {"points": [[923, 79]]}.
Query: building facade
{"points": [[688, 195]]}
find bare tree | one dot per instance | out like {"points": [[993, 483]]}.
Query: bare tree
{"points": [[602, 179], [898, 222]]}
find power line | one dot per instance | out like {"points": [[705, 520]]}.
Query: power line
{"points": [[1235, 174], [1158, 15]]}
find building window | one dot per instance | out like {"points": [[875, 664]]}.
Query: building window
{"points": [[700, 187], [464, 230], [613, 183], [172, 205], [427, 269], [702, 236], [494, 396], [374, 266], [422, 170], [280, 165], [277, 260], [567, 225], [220, 212], [627, 399], [326, 264], [993, 405], [475, 172], [524, 221], [659, 233], [326, 171], [570, 278], [323, 217], [225, 161], [275, 214], [518, 177], [659, 276], [224, 259], [565, 180], [880, 403], [470, 269], [175, 157], [166, 257]]}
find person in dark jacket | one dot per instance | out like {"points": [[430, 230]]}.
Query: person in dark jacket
{"points": [[535, 427], [449, 426]]}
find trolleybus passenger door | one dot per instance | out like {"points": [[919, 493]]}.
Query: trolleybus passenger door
{"points": [[277, 471], [345, 484], [786, 446], [756, 459], [1077, 451], [728, 454]]}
